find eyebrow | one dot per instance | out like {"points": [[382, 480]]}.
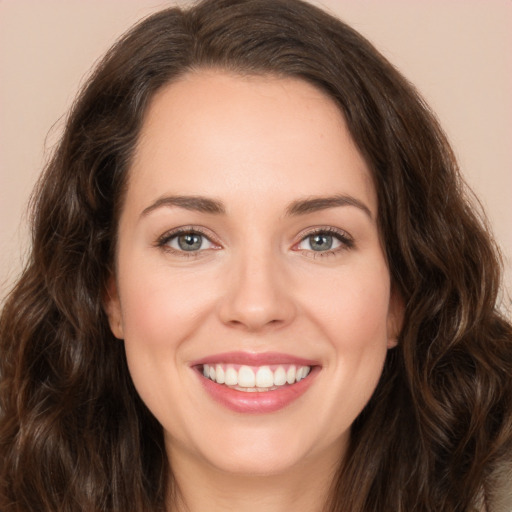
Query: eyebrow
{"points": [[299, 207], [193, 203], [315, 204]]}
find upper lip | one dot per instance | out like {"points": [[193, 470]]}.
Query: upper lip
{"points": [[254, 359]]}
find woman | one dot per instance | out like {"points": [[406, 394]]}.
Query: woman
{"points": [[255, 282]]}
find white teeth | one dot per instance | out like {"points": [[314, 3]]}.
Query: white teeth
{"points": [[246, 377], [279, 377], [231, 376], [263, 378], [219, 374]]}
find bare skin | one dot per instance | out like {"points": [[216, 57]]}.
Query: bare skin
{"points": [[283, 255]]}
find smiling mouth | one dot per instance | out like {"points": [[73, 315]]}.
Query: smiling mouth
{"points": [[252, 379], [253, 383]]}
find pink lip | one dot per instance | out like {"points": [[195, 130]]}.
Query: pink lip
{"points": [[253, 359], [256, 402]]}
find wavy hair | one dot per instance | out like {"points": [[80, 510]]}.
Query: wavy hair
{"points": [[75, 436]]}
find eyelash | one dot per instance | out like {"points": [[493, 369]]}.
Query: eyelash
{"points": [[347, 242], [164, 240]]}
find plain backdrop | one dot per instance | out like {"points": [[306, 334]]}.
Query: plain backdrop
{"points": [[457, 53]]}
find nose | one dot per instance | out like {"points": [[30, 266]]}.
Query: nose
{"points": [[257, 294]]}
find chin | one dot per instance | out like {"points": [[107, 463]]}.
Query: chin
{"points": [[256, 463], [266, 450]]}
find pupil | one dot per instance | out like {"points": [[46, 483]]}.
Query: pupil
{"points": [[321, 242], [189, 242]]}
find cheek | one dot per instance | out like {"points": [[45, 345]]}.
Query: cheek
{"points": [[160, 308], [353, 317], [160, 314], [353, 307]]}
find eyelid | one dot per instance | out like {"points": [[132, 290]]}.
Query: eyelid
{"points": [[346, 240], [163, 240], [343, 236]]}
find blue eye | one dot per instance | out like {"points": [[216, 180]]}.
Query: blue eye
{"points": [[186, 241], [321, 242], [325, 240], [189, 242]]}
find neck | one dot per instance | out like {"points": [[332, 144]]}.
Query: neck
{"points": [[199, 486]]}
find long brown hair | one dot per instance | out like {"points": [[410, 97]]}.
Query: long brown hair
{"points": [[75, 436]]}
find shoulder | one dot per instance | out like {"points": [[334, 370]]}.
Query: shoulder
{"points": [[498, 489]]}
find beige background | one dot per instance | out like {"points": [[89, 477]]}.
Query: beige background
{"points": [[457, 52]]}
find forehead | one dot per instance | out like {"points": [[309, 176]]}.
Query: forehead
{"points": [[212, 133]]}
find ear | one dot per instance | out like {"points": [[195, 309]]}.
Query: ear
{"points": [[395, 317], [113, 308]]}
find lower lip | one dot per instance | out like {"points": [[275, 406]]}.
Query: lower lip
{"points": [[258, 402]]}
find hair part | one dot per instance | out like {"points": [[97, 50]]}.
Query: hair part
{"points": [[75, 436]]}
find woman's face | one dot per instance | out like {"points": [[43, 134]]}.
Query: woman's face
{"points": [[249, 250]]}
